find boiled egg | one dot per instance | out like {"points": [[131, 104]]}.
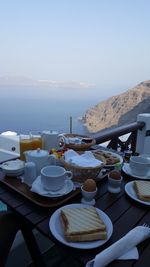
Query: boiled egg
{"points": [[89, 185], [115, 174]]}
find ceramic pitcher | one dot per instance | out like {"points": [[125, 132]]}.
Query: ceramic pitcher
{"points": [[41, 158], [52, 139]]}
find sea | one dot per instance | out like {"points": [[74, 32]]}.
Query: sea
{"points": [[25, 108]]}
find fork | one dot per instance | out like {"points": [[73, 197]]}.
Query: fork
{"points": [[146, 225]]}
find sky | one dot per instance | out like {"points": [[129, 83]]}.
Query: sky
{"points": [[100, 42]]}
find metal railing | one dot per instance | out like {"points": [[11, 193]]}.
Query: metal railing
{"points": [[112, 136]]}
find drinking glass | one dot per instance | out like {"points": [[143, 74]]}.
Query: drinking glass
{"points": [[25, 144], [36, 140]]}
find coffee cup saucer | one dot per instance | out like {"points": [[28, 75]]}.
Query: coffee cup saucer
{"points": [[126, 168], [37, 187]]}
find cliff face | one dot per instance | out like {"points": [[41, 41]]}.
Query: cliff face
{"points": [[120, 109]]}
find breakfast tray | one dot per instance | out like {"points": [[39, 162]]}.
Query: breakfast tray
{"points": [[15, 184]]}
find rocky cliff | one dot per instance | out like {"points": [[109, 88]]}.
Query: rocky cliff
{"points": [[120, 109]]}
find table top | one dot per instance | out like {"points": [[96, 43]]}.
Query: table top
{"points": [[124, 212]]}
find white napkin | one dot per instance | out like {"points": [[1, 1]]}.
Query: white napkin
{"points": [[87, 159], [121, 247], [69, 154], [39, 189]]}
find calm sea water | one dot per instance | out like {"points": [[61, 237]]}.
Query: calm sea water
{"points": [[30, 108]]}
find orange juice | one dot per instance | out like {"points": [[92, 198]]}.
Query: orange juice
{"points": [[36, 142], [25, 144]]}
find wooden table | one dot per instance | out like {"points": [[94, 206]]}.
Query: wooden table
{"points": [[124, 213]]}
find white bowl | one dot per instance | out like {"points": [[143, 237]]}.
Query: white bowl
{"points": [[13, 167]]}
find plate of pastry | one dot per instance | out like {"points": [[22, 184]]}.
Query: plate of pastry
{"points": [[109, 158]]}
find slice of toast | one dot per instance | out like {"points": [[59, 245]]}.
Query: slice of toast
{"points": [[86, 237], [82, 224], [142, 189]]}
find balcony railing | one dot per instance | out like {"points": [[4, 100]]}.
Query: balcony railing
{"points": [[112, 136]]}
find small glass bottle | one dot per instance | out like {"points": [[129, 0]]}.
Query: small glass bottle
{"points": [[127, 155]]}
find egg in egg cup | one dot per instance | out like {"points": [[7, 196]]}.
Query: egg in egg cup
{"points": [[114, 181], [89, 190]]}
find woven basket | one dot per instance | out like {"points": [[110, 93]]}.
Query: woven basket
{"points": [[81, 174], [79, 147]]}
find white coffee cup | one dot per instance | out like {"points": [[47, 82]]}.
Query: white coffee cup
{"points": [[140, 165], [53, 177]]}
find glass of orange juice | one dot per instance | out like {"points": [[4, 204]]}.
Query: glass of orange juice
{"points": [[36, 140], [25, 144]]}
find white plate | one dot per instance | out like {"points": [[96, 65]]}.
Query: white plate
{"points": [[37, 187], [131, 193], [56, 228], [113, 154], [13, 167], [126, 168]]}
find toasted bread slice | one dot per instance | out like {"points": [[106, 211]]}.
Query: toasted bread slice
{"points": [[142, 189], [87, 237], [82, 224]]}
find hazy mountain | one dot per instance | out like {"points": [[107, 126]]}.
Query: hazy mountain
{"points": [[120, 109], [25, 81]]}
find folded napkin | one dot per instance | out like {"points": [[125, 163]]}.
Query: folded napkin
{"points": [[122, 247], [38, 188], [87, 159]]}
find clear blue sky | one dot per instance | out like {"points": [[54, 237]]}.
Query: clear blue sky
{"points": [[103, 42]]}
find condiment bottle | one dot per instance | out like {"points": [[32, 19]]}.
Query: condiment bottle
{"points": [[127, 155]]}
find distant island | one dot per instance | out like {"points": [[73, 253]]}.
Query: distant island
{"points": [[25, 81], [119, 110]]}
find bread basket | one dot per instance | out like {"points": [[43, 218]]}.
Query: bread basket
{"points": [[82, 146], [81, 174]]}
